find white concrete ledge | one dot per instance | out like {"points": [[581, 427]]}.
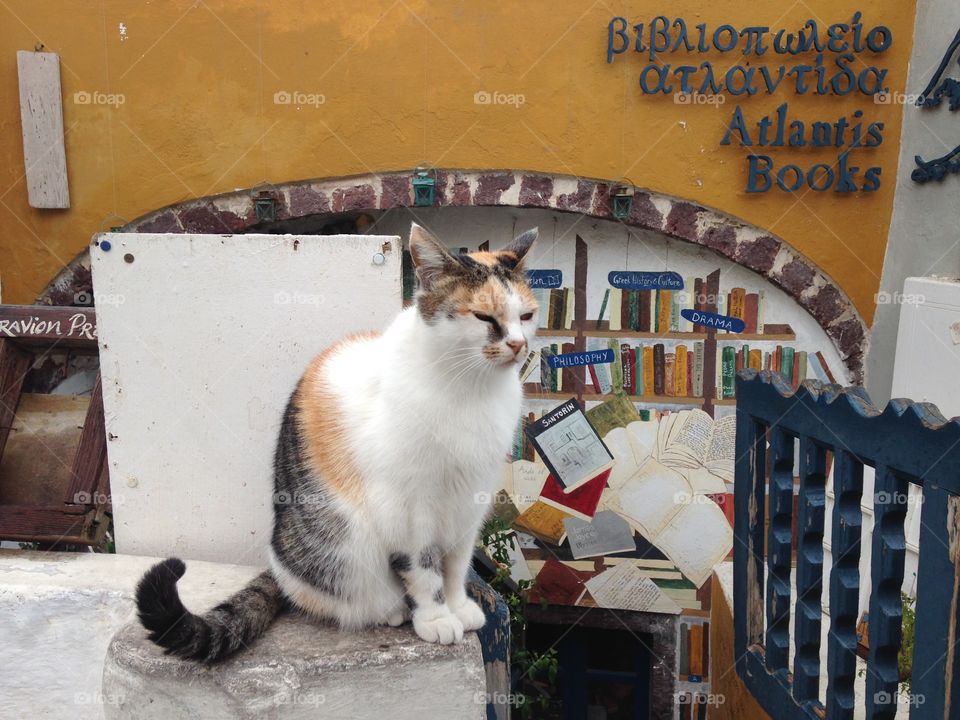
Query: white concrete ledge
{"points": [[300, 669], [60, 611]]}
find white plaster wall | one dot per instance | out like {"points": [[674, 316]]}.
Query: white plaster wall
{"points": [[202, 340], [925, 228]]}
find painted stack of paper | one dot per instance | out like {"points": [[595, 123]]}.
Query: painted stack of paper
{"points": [[606, 534], [625, 588]]}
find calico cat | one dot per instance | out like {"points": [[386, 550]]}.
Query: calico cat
{"points": [[388, 452]]}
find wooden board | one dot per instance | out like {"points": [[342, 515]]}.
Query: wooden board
{"points": [[738, 702], [42, 326], [41, 118], [194, 392], [35, 468], [14, 363]]}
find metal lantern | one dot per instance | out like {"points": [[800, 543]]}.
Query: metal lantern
{"points": [[424, 187], [622, 202], [265, 207]]}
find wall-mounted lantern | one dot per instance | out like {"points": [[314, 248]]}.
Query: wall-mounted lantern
{"points": [[265, 207], [424, 186], [622, 201]]}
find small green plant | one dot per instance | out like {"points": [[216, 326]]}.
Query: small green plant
{"points": [[908, 636], [905, 658], [535, 671]]}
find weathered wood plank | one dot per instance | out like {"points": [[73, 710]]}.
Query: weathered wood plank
{"points": [[779, 541], [45, 524], [844, 417], [14, 364], [41, 118], [43, 442], [91, 453], [750, 494], [934, 687], [844, 584], [886, 612], [44, 326], [812, 501]]}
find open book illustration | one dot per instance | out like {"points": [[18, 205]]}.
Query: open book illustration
{"points": [[691, 439], [660, 482], [570, 447], [690, 442], [624, 587]]}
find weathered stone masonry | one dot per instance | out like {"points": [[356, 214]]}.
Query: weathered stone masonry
{"points": [[749, 246]]}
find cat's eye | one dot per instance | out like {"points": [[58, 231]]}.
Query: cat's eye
{"points": [[484, 318], [527, 316]]}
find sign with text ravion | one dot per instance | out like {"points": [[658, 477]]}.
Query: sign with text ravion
{"points": [[817, 60]]}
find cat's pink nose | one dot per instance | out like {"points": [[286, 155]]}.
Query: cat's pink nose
{"points": [[516, 345]]}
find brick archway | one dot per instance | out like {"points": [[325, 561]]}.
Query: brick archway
{"points": [[744, 244]]}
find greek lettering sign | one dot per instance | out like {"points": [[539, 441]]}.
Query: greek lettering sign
{"points": [[842, 56]]}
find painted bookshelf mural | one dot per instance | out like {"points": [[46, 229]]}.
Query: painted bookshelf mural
{"points": [[648, 376]]}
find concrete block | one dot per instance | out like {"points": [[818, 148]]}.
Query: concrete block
{"points": [[300, 669]]}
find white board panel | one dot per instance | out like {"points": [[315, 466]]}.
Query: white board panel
{"points": [[202, 340], [41, 120]]}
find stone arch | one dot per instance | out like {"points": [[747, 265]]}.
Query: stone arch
{"points": [[744, 244]]}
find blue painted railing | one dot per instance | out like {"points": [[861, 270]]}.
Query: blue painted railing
{"points": [[906, 443]]}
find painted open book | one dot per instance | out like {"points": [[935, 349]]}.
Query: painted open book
{"points": [[660, 482]]}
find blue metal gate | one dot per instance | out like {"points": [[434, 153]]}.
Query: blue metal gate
{"points": [[906, 443]]}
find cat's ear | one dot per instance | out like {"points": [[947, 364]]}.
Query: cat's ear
{"points": [[521, 245], [430, 257]]}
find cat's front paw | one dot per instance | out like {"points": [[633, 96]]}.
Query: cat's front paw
{"points": [[444, 628], [469, 614]]}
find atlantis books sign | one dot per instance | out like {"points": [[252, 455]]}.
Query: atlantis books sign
{"points": [[817, 60]]}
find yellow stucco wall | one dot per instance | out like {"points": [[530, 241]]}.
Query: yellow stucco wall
{"points": [[198, 115]]}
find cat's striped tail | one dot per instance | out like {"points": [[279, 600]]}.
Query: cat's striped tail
{"points": [[229, 626]]}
